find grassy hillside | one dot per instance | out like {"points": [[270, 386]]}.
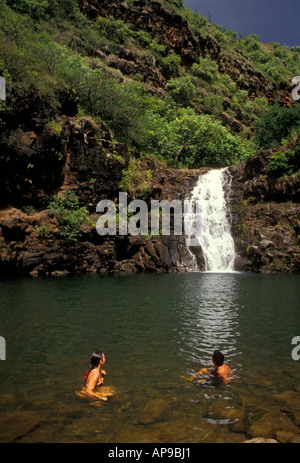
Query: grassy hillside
{"points": [[161, 78]]}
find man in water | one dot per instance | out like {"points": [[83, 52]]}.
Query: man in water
{"points": [[221, 370]]}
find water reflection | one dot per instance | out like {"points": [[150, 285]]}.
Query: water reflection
{"points": [[209, 318]]}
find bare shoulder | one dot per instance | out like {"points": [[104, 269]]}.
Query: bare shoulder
{"points": [[93, 376]]}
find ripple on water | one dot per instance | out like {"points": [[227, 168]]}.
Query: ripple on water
{"points": [[154, 329]]}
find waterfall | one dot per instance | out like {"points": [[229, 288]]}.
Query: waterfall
{"points": [[210, 221]]}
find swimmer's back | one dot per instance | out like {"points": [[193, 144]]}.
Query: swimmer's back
{"points": [[223, 372]]}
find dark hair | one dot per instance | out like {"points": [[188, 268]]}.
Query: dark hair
{"points": [[218, 357], [96, 358]]}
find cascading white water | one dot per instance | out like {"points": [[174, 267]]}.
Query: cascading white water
{"points": [[213, 230]]}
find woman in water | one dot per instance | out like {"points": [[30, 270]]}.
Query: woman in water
{"points": [[94, 377]]}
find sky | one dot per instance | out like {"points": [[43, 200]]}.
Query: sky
{"points": [[271, 20]]}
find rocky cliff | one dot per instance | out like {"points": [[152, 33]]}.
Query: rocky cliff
{"points": [[37, 162], [266, 216], [42, 155], [171, 28]]}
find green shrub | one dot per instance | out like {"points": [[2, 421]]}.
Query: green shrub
{"points": [[196, 19], [171, 62], [192, 140], [156, 46], [44, 230], [113, 29], [29, 210], [220, 37], [282, 163], [251, 43], [275, 71], [122, 105], [136, 179], [182, 90], [228, 83], [213, 105], [295, 49], [277, 123], [43, 9], [55, 126], [48, 51], [262, 57], [241, 97], [70, 214], [260, 106], [207, 69], [144, 37], [281, 52], [232, 34]]}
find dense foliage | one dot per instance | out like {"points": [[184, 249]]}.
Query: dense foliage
{"points": [[277, 124], [43, 9], [185, 138], [48, 45], [71, 216], [284, 162]]}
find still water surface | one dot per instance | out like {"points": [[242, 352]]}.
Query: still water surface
{"points": [[154, 329]]}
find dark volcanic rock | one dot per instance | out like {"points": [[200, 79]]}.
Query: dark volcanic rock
{"points": [[266, 217]]}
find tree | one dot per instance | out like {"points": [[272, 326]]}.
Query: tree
{"points": [[182, 90], [42, 9], [194, 140], [277, 123]]}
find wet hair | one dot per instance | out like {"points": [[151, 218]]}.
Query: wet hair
{"points": [[218, 357], [96, 358]]}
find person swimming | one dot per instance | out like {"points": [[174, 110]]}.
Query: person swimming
{"points": [[221, 371], [95, 375], [94, 378]]}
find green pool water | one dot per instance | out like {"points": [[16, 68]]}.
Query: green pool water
{"points": [[154, 329]]}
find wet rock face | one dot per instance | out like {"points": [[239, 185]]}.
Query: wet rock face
{"points": [[266, 218], [91, 165], [30, 166], [93, 162], [38, 160], [24, 251], [31, 154]]}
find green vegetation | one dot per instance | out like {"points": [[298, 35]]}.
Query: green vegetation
{"points": [[206, 70], [29, 210], [113, 28], [182, 90], [212, 104], [185, 138], [276, 125], [284, 162], [44, 230], [71, 216], [134, 178], [44, 9], [55, 126], [49, 46]]}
